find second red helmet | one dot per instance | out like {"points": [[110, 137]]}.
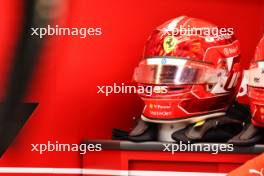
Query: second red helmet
{"points": [[256, 85]]}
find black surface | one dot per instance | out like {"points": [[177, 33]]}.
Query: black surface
{"points": [[10, 129], [159, 146], [13, 113]]}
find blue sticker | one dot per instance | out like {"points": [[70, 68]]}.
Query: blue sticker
{"points": [[164, 61]]}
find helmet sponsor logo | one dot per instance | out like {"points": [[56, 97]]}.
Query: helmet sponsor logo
{"points": [[256, 80], [254, 171], [163, 61], [200, 123], [169, 43], [230, 50]]}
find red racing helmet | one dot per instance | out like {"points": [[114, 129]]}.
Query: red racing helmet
{"points": [[256, 85], [196, 63]]}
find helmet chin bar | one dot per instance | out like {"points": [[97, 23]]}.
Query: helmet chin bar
{"points": [[167, 128]]}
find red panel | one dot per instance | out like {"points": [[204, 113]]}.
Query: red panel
{"points": [[164, 161], [183, 166]]}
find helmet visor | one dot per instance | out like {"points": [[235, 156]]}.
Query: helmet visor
{"points": [[175, 71]]}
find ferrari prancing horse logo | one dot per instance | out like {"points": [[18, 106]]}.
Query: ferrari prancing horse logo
{"points": [[169, 43]]}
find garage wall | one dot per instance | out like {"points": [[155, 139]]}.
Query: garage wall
{"points": [[65, 82]]}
